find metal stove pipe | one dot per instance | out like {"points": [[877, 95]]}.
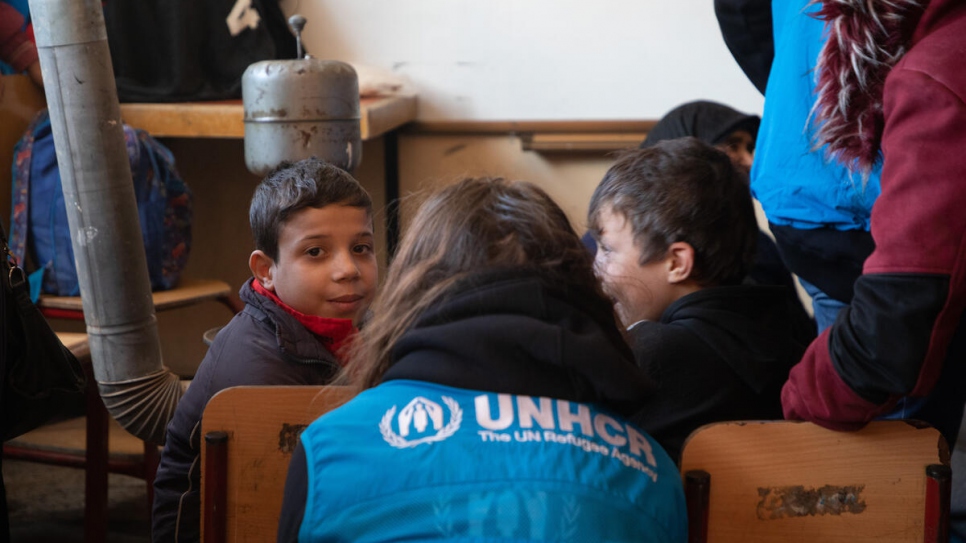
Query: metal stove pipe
{"points": [[138, 391]]}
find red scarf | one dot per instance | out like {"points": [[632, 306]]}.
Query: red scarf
{"points": [[335, 333]]}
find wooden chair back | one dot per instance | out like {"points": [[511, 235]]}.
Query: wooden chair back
{"points": [[249, 434], [795, 481]]}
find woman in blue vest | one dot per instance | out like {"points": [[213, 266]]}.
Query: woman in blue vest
{"points": [[495, 386]]}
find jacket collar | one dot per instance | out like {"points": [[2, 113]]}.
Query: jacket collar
{"points": [[294, 339]]}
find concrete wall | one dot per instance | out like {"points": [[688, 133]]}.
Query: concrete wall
{"points": [[535, 59]]}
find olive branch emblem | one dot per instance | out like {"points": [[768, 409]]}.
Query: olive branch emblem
{"points": [[399, 442]]}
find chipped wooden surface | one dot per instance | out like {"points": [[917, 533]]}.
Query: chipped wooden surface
{"points": [[799, 501], [263, 426], [795, 481]]}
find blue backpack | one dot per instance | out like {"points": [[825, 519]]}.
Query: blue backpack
{"points": [[39, 219]]}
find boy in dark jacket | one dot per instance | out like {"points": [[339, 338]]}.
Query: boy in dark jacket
{"points": [[676, 234], [315, 274], [734, 133]]}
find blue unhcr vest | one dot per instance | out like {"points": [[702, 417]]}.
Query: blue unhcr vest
{"points": [[414, 461]]}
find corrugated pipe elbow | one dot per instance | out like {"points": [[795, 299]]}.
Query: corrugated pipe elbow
{"points": [[143, 405]]}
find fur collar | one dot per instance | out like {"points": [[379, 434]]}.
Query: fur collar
{"points": [[866, 38]]}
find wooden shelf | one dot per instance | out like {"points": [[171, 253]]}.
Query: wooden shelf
{"points": [[551, 142], [188, 292], [226, 119], [566, 136]]}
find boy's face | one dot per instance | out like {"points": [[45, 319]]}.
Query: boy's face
{"points": [[326, 262], [639, 291]]}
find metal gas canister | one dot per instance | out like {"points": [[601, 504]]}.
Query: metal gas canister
{"points": [[296, 109]]}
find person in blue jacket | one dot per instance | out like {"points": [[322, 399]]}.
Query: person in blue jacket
{"points": [[818, 210], [495, 390]]}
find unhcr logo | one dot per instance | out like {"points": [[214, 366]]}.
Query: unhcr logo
{"points": [[526, 419], [421, 421]]}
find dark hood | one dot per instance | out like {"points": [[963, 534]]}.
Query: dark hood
{"points": [[710, 122], [752, 320], [510, 333]]}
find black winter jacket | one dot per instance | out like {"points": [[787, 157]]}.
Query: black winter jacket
{"points": [[721, 353], [262, 345]]}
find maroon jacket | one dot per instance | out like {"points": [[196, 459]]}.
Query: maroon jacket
{"points": [[893, 339]]}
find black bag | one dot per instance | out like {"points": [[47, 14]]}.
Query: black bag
{"points": [[187, 50], [39, 378]]}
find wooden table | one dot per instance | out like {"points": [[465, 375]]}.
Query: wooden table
{"points": [[380, 117]]}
